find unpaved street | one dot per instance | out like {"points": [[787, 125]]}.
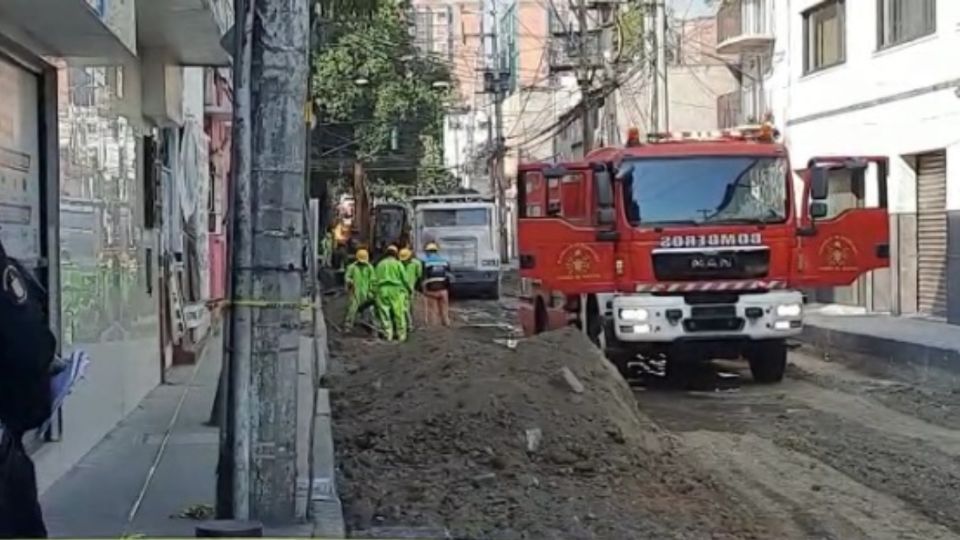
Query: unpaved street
{"points": [[834, 453], [831, 453]]}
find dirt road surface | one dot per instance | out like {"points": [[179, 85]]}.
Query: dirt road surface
{"points": [[832, 452]]}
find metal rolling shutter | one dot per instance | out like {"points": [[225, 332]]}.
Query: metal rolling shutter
{"points": [[932, 234]]}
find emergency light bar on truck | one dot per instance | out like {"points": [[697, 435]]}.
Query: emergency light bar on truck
{"points": [[761, 133]]}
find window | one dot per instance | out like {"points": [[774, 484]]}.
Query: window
{"points": [[706, 190], [824, 36], [559, 197], [900, 21], [464, 217], [531, 195]]}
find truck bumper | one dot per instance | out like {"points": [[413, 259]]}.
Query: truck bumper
{"points": [[474, 280], [641, 318]]}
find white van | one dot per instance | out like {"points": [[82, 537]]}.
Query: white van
{"points": [[466, 229]]}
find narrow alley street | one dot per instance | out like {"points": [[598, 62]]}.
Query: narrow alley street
{"points": [[688, 263], [832, 452]]}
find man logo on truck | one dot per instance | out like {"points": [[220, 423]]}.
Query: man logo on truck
{"points": [[711, 240]]}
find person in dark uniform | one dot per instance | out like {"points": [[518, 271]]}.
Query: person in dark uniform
{"points": [[436, 285], [27, 353]]}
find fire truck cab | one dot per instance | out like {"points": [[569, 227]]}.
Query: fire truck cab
{"points": [[692, 246]]}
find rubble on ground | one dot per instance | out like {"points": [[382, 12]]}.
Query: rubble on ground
{"points": [[541, 441]]}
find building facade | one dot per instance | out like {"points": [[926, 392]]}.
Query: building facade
{"points": [[82, 185], [697, 79], [874, 78]]}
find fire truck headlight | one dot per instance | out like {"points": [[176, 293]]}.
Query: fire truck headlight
{"points": [[634, 314], [789, 310]]}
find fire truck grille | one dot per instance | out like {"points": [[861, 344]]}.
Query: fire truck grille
{"points": [[692, 266]]}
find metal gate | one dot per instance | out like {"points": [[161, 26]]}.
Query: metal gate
{"points": [[932, 234]]}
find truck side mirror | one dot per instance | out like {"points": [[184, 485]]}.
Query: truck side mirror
{"points": [[819, 183], [606, 216], [604, 183], [818, 210]]}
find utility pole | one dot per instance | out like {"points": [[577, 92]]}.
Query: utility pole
{"points": [[266, 270], [608, 13], [585, 76], [495, 82], [661, 112]]}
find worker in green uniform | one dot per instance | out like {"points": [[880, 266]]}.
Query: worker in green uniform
{"points": [[412, 271], [360, 284], [392, 292]]}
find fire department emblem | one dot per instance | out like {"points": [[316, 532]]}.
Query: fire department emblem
{"points": [[577, 261], [839, 254], [14, 286]]}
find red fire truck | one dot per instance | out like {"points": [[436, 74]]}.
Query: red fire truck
{"points": [[693, 246]]}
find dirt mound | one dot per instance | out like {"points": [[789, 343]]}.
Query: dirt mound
{"points": [[543, 440]]}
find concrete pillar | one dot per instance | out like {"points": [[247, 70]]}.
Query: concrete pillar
{"points": [[953, 233]]}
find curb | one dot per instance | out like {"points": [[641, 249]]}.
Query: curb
{"points": [[326, 509], [323, 501], [893, 352]]}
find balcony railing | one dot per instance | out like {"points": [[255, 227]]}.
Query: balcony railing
{"points": [[729, 19], [744, 24], [743, 106], [728, 110]]}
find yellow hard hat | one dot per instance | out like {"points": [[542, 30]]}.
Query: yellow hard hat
{"points": [[392, 249], [405, 254], [432, 246], [363, 255]]}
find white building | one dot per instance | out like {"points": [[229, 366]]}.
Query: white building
{"points": [[870, 78], [466, 135]]}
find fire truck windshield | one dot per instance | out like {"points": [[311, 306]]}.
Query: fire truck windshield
{"points": [[701, 190]]}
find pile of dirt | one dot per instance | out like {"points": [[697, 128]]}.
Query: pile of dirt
{"points": [[490, 440]]}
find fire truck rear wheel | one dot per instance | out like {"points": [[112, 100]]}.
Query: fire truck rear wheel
{"points": [[768, 360]]}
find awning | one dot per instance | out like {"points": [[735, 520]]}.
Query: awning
{"points": [[189, 31], [66, 28]]}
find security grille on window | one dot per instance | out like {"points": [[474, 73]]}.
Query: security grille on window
{"points": [[899, 21], [824, 36]]}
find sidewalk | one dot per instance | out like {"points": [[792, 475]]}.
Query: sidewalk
{"points": [[95, 498], [909, 341]]}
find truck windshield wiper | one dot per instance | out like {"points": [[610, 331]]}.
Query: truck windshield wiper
{"points": [[738, 221], [667, 223]]}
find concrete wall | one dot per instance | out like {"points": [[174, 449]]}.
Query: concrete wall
{"points": [[693, 91], [108, 264], [107, 310], [895, 102]]}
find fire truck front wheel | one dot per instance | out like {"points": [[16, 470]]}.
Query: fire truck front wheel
{"points": [[768, 360]]}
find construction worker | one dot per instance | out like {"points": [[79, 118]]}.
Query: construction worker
{"points": [[436, 284], [413, 272], [392, 292], [360, 284]]}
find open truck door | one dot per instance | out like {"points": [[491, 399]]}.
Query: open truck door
{"points": [[838, 247], [567, 227]]}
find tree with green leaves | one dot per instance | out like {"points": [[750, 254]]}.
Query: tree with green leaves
{"points": [[385, 100]]}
